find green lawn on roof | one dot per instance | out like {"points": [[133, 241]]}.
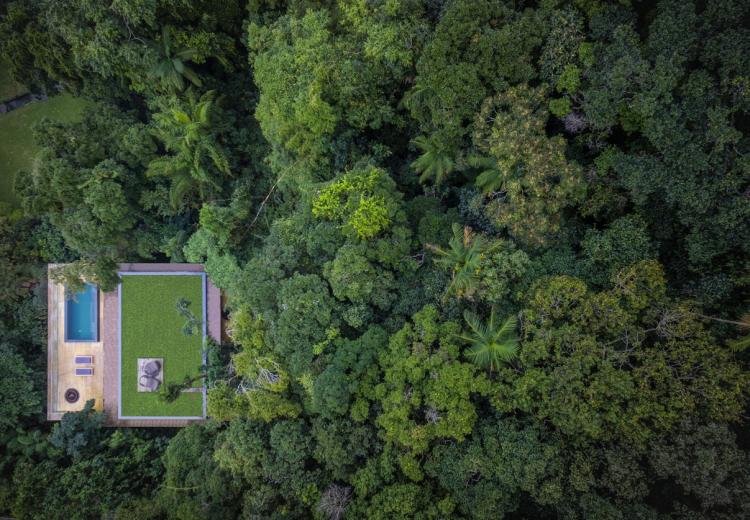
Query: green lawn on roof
{"points": [[151, 327]]}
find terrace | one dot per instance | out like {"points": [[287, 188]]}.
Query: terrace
{"points": [[119, 347]]}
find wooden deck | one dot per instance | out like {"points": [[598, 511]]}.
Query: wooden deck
{"points": [[107, 360], [60, 361]]}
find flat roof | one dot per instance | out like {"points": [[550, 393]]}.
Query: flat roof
{"points": [[152, 328]]}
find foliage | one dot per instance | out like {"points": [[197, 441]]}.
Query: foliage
{"points": [[364, 201], [463, 257], [504, 457], [314, 82], [171, 69], [581, 173], [192, 323], [426, 391], [535, 180], [19, 398], [79, 433], [491, 343], [623, 243], [435, 162], [477, 48], [626, 373], [170, 392], [675, 99], [198, 159], [194, 483]]}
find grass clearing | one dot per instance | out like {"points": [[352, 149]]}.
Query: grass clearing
{"points": [[151, 327], [17, 146]]}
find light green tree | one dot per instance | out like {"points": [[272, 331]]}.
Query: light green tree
{"points": [[426, 390]]}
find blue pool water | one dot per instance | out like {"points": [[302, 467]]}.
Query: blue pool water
{"points": [[82, 315]]}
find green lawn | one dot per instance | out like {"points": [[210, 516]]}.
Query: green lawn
{"points": [[17, 146], [151, 327]]}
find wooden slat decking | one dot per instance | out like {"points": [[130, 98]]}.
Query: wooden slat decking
{"points": [[109, 366], [60, 360]]}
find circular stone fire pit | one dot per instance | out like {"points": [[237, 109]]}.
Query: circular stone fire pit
{"points": [[71, 395]]}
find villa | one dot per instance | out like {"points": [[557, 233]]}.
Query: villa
{"points": [[120, 347]]}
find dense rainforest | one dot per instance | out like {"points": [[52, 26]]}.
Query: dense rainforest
{"points": [[481, 258]]}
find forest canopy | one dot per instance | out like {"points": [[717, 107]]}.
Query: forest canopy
{"points": [[481, 258]]}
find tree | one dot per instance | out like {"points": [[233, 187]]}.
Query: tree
{"points": [[501, 273], [333, 501], [364, 201], [463, 258], [625, 242], [18, 398], [488, 474], [680, 165], [628, 373], [425, 394], [533, 182], [492, 343], [194, 483], [89, 184], [499, 340], [118, 470], [198, 159], [271, 464], [171, 69], [400, 501], [305, 312], [75, 275], [705, 462], [260, 392], [476, 49], [436, 161], [490, 179], [192, 323], [320, 85], [347, 380], [79, 433], [170, 392], [106, 51], [354, 278]]}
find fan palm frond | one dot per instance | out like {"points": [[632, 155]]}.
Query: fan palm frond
{"points": [[490, 344], [490, 178], [463, 257], [436, 161]]}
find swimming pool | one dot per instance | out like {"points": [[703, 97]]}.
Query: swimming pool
{"points": [[82, 315]]}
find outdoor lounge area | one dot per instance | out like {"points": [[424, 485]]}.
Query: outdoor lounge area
{"points": [[119, 348]]}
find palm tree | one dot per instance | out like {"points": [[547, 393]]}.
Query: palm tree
{"points": [[462, 257], [490, 178], [188, 134], [436, 161], [491, 343], [179, 173], [171, 70]]}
